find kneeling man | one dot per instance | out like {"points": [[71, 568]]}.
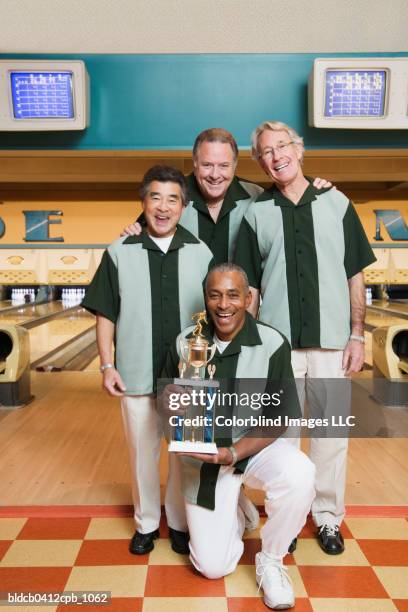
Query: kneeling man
{"points": [[246, 348]]}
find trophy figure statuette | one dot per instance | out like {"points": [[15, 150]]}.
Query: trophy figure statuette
{"points": [[194, 431]]}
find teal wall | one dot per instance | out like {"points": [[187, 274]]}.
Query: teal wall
{"points": [[163, 101]]}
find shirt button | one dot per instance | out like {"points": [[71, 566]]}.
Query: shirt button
{"points": [[303, 299], [300, 273], [299, 252], [297, 231], [305, 324], [164, 275]]}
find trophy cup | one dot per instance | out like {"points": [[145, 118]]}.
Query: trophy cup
{"points": [[194, 432]]}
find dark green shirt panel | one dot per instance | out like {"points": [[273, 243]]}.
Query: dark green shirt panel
{"points": [[280, 365], [102, 295], [280, 369], [302, 275], [215, 235], [165, 304], [295, 278], [357, 251], [171, 361], [141, 219], [208, 482], [247, 254], [226, 365]]}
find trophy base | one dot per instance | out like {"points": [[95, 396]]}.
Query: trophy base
{"points": [[209, 448]]}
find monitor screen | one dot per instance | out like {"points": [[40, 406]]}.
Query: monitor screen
{"points": [[355, 93], [42, 95]]}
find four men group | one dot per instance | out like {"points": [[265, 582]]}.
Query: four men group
{"points": [[303, 249]]}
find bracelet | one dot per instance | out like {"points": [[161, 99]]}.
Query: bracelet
{"points": [[357, 338], [105, 366], [234, 455]]}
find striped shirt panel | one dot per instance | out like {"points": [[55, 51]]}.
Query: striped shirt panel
{"points": [[148, 301]]}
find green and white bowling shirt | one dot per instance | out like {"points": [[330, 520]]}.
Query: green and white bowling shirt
{"points": [[257, 351], [149, 296], [300, 257], [219, 236]]}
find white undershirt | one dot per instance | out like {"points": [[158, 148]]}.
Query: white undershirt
{"points": [[221, 344], [162, 243]]}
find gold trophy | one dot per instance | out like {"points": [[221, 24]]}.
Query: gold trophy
{"points": [[194, 432]]}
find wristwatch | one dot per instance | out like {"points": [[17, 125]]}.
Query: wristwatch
{"points": [[105, 366], [233, 452], [358, 338]]}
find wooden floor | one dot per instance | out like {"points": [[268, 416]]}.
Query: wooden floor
{"points": [[67, 447]]}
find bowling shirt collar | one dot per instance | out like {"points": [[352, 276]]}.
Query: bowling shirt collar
{"points": [[234, 193], [310, 194], [180, 238]]}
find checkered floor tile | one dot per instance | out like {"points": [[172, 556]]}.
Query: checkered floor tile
{"points": [[91, 554]]}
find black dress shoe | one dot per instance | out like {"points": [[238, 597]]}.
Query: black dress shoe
{"points": [[143, 543], [292, 546], [330, 539], [179, 541]]}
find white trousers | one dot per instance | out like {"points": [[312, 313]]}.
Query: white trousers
{"points": [[143, 432], [286, 476], [328, 454]]}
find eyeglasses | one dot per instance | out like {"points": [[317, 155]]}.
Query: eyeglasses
{"points": [[272, 151]]}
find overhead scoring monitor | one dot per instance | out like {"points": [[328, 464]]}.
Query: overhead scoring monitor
{"points": [[359, 93], [43, 95], [355, 93]]}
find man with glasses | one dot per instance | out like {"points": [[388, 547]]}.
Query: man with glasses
{"points": [[218, 198], [305, 250]]}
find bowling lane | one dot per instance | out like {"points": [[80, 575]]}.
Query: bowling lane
{"points": [[392, 306], [28, 312], [51, 334], [378, 318]]}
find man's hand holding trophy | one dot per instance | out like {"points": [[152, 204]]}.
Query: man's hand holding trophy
{"points": [[193, 395]]}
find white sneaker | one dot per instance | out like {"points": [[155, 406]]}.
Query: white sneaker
{"points": [[250, 511], [272, 576]]}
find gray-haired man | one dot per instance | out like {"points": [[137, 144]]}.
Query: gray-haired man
{"points": [[304, 249]]}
